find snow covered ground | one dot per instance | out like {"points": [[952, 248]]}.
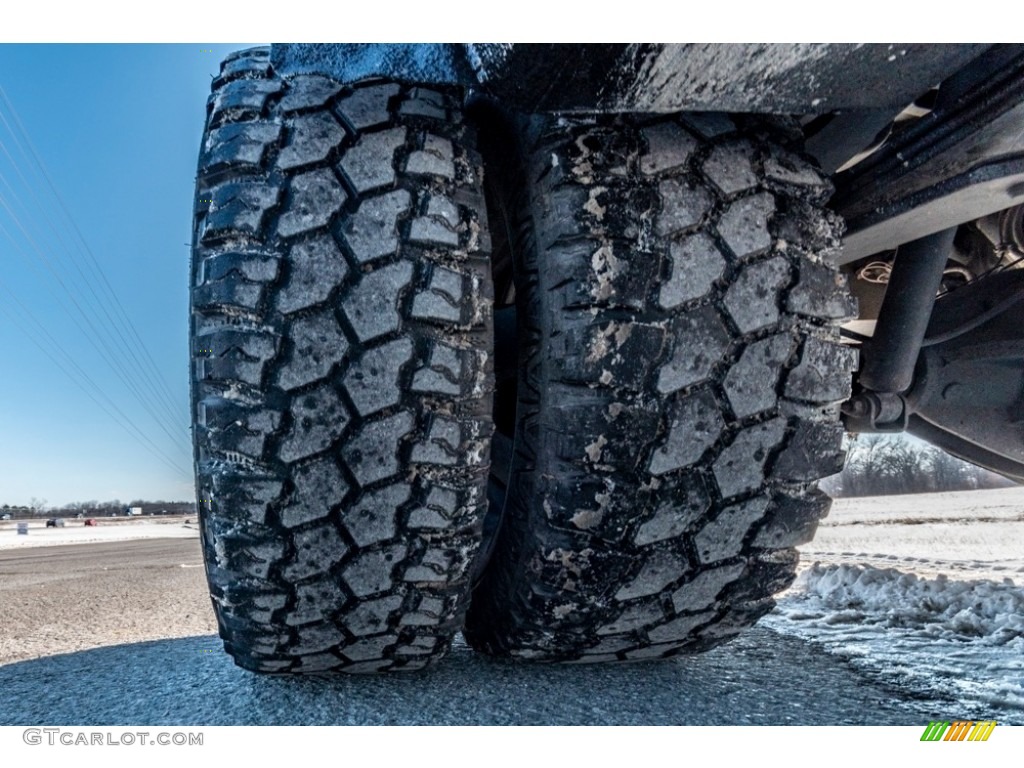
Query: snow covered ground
{"points": [[979, 534], [75, 532], [925, 592]]}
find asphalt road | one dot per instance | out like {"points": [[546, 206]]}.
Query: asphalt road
{"points": [[763, 678], [115, 595]]}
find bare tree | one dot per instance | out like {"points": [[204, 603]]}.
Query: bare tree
{"points": [[880, 465]]}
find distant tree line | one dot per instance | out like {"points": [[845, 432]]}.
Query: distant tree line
{"points": [[884, 465], [93, 508]]}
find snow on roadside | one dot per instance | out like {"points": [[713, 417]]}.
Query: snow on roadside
{"points": [[972, 534], [40, 536], [959, 641], [984, 611]]}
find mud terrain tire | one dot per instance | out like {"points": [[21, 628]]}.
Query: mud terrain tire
{"points": [[341, 389], [680, 375]]}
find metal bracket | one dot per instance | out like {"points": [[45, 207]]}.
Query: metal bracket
{"points": [[876, 412]]}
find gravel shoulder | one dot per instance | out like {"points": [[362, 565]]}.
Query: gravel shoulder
{"points": [[58, 599]]}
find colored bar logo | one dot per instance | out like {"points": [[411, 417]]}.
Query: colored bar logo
{"points": [[961, 730]]}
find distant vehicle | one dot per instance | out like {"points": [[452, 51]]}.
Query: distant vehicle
{"points": [[133, 511], [90, 523], [55, 522], [5, 516]]}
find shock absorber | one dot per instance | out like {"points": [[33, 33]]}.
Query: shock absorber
{"points": [[890, 356]]}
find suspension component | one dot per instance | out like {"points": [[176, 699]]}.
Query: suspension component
{"points": [[891, 354]]}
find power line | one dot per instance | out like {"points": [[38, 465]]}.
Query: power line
{"points": [[121, 419], [161, 382], [163, 397], [111, 348], [106, 353]]}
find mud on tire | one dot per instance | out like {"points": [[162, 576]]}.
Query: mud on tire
{"points": [[679, 386], [341, 389]]}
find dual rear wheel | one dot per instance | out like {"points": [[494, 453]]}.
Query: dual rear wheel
{"points": [[565, 385]]}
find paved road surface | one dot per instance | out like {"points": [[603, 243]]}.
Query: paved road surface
{"points": [[762, 678]]}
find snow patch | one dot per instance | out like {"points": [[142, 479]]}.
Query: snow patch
{"points": [[946, 639], [40, 536], [988, 612]]}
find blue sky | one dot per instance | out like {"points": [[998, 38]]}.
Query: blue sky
{"points": [[118, 128]]}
